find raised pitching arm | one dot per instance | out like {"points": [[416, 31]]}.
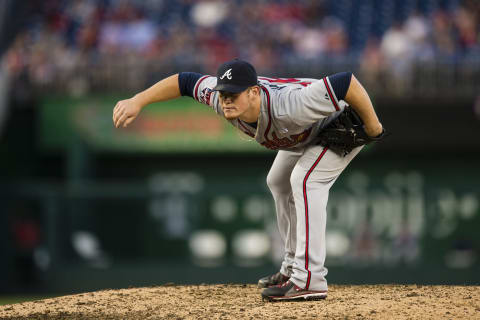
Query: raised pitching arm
{"points": [[126, 111]]}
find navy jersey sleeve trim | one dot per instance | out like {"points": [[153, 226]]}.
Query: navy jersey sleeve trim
{"points": [[186, 82], [340, 83]]}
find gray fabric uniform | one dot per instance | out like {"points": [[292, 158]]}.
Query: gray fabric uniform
{"points": [[292, 113]]}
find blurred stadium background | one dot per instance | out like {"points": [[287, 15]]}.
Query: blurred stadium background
{"points": [[180, 197]]}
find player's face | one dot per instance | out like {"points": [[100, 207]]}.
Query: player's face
{"points": [[235, 104]]}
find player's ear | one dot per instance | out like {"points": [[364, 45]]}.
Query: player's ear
{"points": [[255, 90]]}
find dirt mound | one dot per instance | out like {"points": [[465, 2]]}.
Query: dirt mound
{"points": [[234, 301]]}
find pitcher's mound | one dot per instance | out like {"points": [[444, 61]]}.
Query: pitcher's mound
{"points": [[233, 301]]}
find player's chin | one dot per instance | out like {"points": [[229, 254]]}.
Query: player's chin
{"points": [[230, 115]]}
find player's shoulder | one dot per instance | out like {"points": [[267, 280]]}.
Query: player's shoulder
{"points": [[283, 88], [285, 83], [207, 81], [280, 89], [203, 89]]}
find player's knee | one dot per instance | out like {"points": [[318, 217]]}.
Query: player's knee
{"points": [[278, 183], [296, 179]]}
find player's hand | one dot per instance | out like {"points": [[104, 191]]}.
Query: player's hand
{"points": [[125, 112]]}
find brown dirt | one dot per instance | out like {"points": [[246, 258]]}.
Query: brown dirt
{"points": [[244, 302]]}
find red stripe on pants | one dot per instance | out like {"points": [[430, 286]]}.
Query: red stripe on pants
{"points": [[306, 213]]}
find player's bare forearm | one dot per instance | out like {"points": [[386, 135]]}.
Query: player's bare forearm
{"points": [[163, 90], [126, 111], [357, 97]]}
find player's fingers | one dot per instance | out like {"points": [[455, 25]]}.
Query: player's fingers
{"points": [[120, 112], [116, 115], [121, 120], [128, 121], [116, 118], [117, 107], [117, 122]]}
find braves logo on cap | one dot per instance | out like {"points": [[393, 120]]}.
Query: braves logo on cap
{"points": [[245, 76], [227, 74]]}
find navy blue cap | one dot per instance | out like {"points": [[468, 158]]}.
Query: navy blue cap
{"points": [[235, 76]]}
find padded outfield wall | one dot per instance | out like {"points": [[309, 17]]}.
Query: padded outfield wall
{"points": [[180, 197]]}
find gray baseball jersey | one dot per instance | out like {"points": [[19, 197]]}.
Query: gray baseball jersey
{"points": [[292, 110], [292, 113]]}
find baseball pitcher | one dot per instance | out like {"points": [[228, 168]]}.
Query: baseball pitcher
{"points": [[317, 126]]}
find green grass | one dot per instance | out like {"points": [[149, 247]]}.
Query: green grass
{"points": [[18, 299]]}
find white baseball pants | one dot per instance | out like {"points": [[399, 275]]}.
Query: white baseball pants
{"points": [[300, 182]]}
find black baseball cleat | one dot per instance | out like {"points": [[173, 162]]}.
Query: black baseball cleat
{"points": [[288, 291], [273, 280]]}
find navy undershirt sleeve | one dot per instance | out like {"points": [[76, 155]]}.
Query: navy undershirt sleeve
{"points": [[340, 83], [253, 124], [186, 82]]}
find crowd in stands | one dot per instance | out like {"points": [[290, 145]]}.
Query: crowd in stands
{"points": [[64, 39]]}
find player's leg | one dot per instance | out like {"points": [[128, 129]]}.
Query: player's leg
{"points": [[311, 179], [278, 181]]}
